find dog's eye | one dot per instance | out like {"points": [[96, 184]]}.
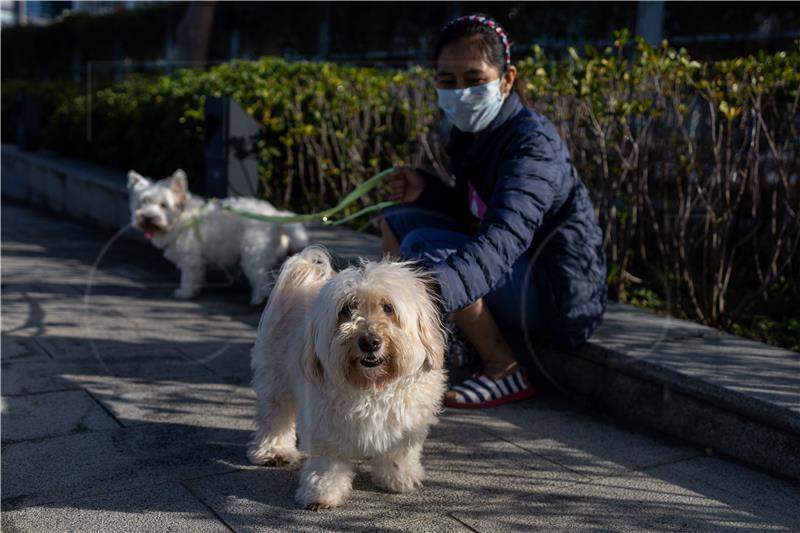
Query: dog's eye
{"points": [[163, 205], [346, 311], [388, 309]]}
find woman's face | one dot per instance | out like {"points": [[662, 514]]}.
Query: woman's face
{"points": [[461, 64]]}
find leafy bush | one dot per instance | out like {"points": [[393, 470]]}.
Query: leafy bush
{"points": [[693, 166], [50, 95], [326, 127]]}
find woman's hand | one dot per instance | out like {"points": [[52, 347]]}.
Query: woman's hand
{"points": [[405, 184]]}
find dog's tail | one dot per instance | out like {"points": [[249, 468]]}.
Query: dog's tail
{"points": [[300, 275], [298, 282], [310, 267]]}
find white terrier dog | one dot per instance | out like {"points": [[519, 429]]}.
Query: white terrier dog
{"points": [[195, 235], [355, 359]]}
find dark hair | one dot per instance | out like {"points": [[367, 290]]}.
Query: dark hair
{"points": [[490, 36]]}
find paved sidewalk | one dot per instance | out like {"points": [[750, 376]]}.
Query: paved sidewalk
{"points": [[132, 413]]}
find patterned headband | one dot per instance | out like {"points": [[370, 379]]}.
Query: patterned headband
{"points": [[489, 23]]}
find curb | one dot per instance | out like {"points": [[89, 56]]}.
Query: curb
{"points": [[671, 397], [80, 190]]}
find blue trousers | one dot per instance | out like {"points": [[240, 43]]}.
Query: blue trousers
{"points": [[521, 300]]}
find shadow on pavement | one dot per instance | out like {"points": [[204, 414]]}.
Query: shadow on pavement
{"points": [[142, 405]]}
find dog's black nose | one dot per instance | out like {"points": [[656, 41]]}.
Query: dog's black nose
{"points": [[148, 219], [369, 343]]}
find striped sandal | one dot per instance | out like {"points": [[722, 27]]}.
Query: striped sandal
{"points": [[481, 391]]}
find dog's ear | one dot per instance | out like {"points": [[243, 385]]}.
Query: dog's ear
{"points": [[431, 331], [432, 337], [310, 365], [136, 180], [179, 186], [312, 368]]}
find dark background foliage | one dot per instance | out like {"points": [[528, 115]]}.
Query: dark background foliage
{"points": [[690, 152]]}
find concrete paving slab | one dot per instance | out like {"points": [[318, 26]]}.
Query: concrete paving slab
{"points": [[85, 464], [479, 467], [152, 365], [166, 507], [146, 307], [263, 500], [196, 327], [30, 298], [192, 402], [223, 358], [152, 359], [52, 414], [42, 375], [16, 349], [154, 325], [66, 288], [11, 349], [20, 248], [509, 418], [21, 318], [459, 474], [78, 346], [191, 330], [738, 486], [592, 444], [68, 339], [632, 502]]}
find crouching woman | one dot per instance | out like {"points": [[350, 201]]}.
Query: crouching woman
{"points": [[514, 245]]}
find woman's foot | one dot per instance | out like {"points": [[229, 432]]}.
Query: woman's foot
{"points": [[498, 370], [482, 391]]}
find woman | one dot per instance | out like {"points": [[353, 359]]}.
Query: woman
{"points": [[515, 244]]}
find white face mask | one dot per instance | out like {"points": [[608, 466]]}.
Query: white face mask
{"points": [[471, 109]]}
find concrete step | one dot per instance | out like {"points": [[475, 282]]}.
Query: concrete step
{"points": [[730, 395]]}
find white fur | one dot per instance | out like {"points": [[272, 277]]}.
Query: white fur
{"points": [[311, 373], [196, 235]]}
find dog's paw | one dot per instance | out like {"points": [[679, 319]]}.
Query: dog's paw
{"points": [[398, 483], [317, 506], [326, 487], [260, 457], [184, 294], [403, 477]]}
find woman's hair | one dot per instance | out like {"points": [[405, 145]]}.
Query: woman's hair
{"points": [[493, 40]]}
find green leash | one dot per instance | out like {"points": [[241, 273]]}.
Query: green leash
{"points": [[352, 197]]}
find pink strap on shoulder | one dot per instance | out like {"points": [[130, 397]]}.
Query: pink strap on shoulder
{"points": [[476, 206]]}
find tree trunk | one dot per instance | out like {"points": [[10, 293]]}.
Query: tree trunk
{"points": [[194, 32]]}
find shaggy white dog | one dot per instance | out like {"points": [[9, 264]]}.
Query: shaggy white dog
{"points": [[195, 235], [353, 361]]}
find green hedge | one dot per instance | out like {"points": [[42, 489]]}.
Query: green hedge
{"points": [[693, 166], [326, 127]]}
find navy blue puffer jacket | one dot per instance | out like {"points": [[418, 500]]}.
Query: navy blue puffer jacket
{"points": [[522, 169]]}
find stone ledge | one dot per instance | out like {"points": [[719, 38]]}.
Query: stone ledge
{"points": [[701, 388], [730, 395], [78, 189]]}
